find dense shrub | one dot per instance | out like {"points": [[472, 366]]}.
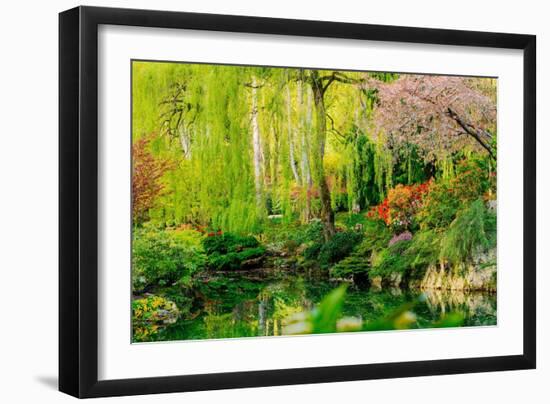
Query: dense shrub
{"points": [[473, 180], [353, 265], [407, 255], [351, 221], [229, 251], [338, 247], [313, 232], [295, 233], [312, 252], [234, 260], [228, 242], [424, 249], [164, 257], [440, 206], [393, 259], [376, 236], [474, 229]]}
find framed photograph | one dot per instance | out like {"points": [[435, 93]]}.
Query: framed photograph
{"points": [[251, 201]]}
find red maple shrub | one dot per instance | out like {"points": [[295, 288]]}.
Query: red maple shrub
{"points": [[147, 171], [398, 209]]}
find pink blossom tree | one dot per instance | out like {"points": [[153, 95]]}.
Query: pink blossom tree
{"points": [[439, 114]]}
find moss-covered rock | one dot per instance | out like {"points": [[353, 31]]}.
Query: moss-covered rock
{"points": [[479, 274]]}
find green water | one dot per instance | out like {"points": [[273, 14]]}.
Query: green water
{"points": [[255, 304]]}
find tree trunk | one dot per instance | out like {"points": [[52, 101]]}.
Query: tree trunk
{"points": [[306, 170], [257, 148], [185, 140], [293, 165], [306, 125], [327, 214]]}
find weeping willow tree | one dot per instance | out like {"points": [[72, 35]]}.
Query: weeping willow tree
{"points": [[250, 142], [206, 127]]}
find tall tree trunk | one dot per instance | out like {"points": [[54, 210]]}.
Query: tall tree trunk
{"points": [[327, 214], [257, 147], [305, 167], [293, 165], [305, 127], [185, 140]]}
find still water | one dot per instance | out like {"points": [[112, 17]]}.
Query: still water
{"points": [[247, 305]]}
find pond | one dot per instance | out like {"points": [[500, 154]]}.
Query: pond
{"points": [[256, 304]]}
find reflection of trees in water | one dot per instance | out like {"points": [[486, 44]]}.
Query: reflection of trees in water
{"points": [[470, 304], [261, 314], [278, 301], [241, 308]]}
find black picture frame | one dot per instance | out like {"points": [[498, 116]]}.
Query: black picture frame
{"points": [[78, 201]]}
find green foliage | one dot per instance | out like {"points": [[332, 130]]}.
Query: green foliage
{"points": [[281, 233], [181, 295], [187, 237], [228, 242], [362, 173], [338, 247], [445, 197], [409, 167], [324, 317], [473, 230], [393, 259], [405, 317], [229, 251], [312, 252], [423, 249], [454, 319], [375, 237], [164, 257], [234, 260], [351, 220], [355, 264], [440, 206]]}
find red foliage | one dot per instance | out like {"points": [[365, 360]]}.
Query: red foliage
{"points": [[146, 174], [214, 233], [401, 204]]}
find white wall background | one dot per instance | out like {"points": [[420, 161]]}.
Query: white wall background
{"points": [[28, 201]]}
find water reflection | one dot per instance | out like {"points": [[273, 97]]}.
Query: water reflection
{"points": [[245, 307]]}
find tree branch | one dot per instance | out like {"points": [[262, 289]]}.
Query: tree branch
{"points": [[338, 76], [472, 131]]}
